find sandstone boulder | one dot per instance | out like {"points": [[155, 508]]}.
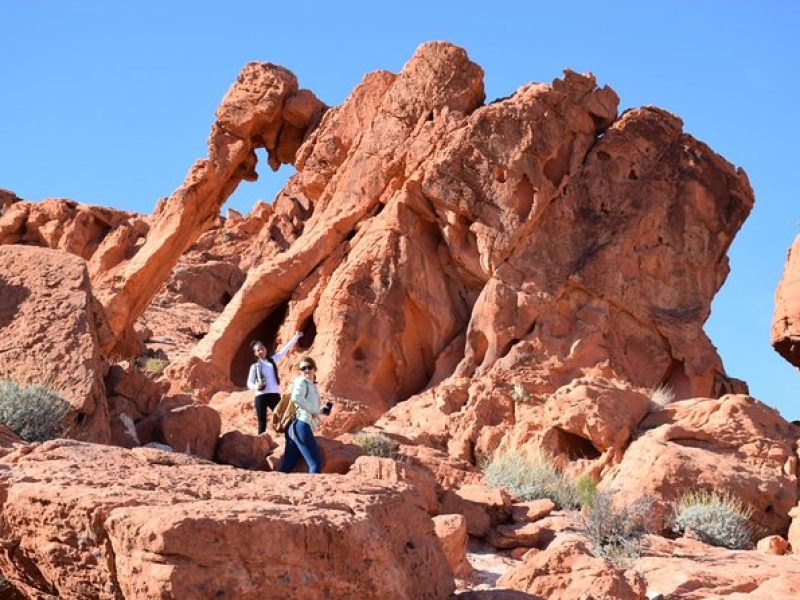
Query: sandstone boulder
{"points": [[192, 429], [567, 570], [236, 410], [691, 570], [734, 445], [244, 450], [452, 533], [153, 524], [786, 320], [772, 544], [388, 469], [49, 332]]}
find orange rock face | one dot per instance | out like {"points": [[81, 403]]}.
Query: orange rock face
{"points": [[568, 570], [473, 250], [734, 444], [471, 279], [153, 524], [251, 116], [786, 320], [49, 335]]}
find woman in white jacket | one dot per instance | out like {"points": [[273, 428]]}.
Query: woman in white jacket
{"points": [[300, 434], [263, 378]]}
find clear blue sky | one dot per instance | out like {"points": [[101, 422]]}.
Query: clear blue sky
{"points": [[110, 103]]}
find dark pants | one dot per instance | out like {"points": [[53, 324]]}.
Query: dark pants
{"points": [[300, 441], [262, 401]]}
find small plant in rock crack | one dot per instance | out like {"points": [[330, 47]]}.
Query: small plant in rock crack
{"points": [[715, 518], [375, 444], [661, 396], [33, 412], [520, 394], [617, 532]]}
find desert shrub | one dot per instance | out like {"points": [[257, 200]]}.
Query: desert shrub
{"points": [[715, 518], [375, 444], [33, 412], [151, 364], [532, 478], [520, 394], [155, 365], [586, 489], [661, 396], [616, 533]]}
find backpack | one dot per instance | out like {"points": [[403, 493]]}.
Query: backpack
{"points": [[283, 415]]}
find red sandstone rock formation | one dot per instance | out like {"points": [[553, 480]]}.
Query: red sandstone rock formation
{"points": [[49, 333], [263, 109], [63, 224], [476, 277], [786, 320], [734, 444], [534, 240], [567, 569], [79, 522]]}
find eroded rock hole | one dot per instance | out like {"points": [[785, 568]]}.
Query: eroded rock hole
{"points": [[309, 329], [265, 331], [575, 447]]}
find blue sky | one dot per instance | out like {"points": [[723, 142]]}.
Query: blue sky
{"points": [[110, 103]]}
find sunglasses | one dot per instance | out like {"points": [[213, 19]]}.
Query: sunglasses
{"points": [[307, 368]]}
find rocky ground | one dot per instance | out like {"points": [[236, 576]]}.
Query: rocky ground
{"points": [[475, 279]]}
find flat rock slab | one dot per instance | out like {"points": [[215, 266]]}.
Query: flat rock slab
{"points": [[89, 521]]}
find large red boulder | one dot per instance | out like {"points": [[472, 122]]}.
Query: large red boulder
{"points": [[49, 333], [733, 445], [152, 524], [567, 569]]}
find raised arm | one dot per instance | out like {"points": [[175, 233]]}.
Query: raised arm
{"points": [[287, 346]]}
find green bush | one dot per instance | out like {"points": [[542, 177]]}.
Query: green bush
{"points": [[33, 412], [152, 364], [616, 533], [715, 518], [375, 444], [586, 489], [532, 478]]}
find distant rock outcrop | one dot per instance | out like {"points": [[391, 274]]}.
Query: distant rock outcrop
{"points": [[786, 320]]}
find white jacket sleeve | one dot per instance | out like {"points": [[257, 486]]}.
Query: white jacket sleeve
{"points": [[252, 384], [286, 347], [303, 396]]}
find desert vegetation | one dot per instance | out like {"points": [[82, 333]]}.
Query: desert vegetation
{"points": [[531, 477], [616, 532], [375, 444], [661, 396], [715, 518], [33, 412]]}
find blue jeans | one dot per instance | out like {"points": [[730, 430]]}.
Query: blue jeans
{"points": [[300, 441]]}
